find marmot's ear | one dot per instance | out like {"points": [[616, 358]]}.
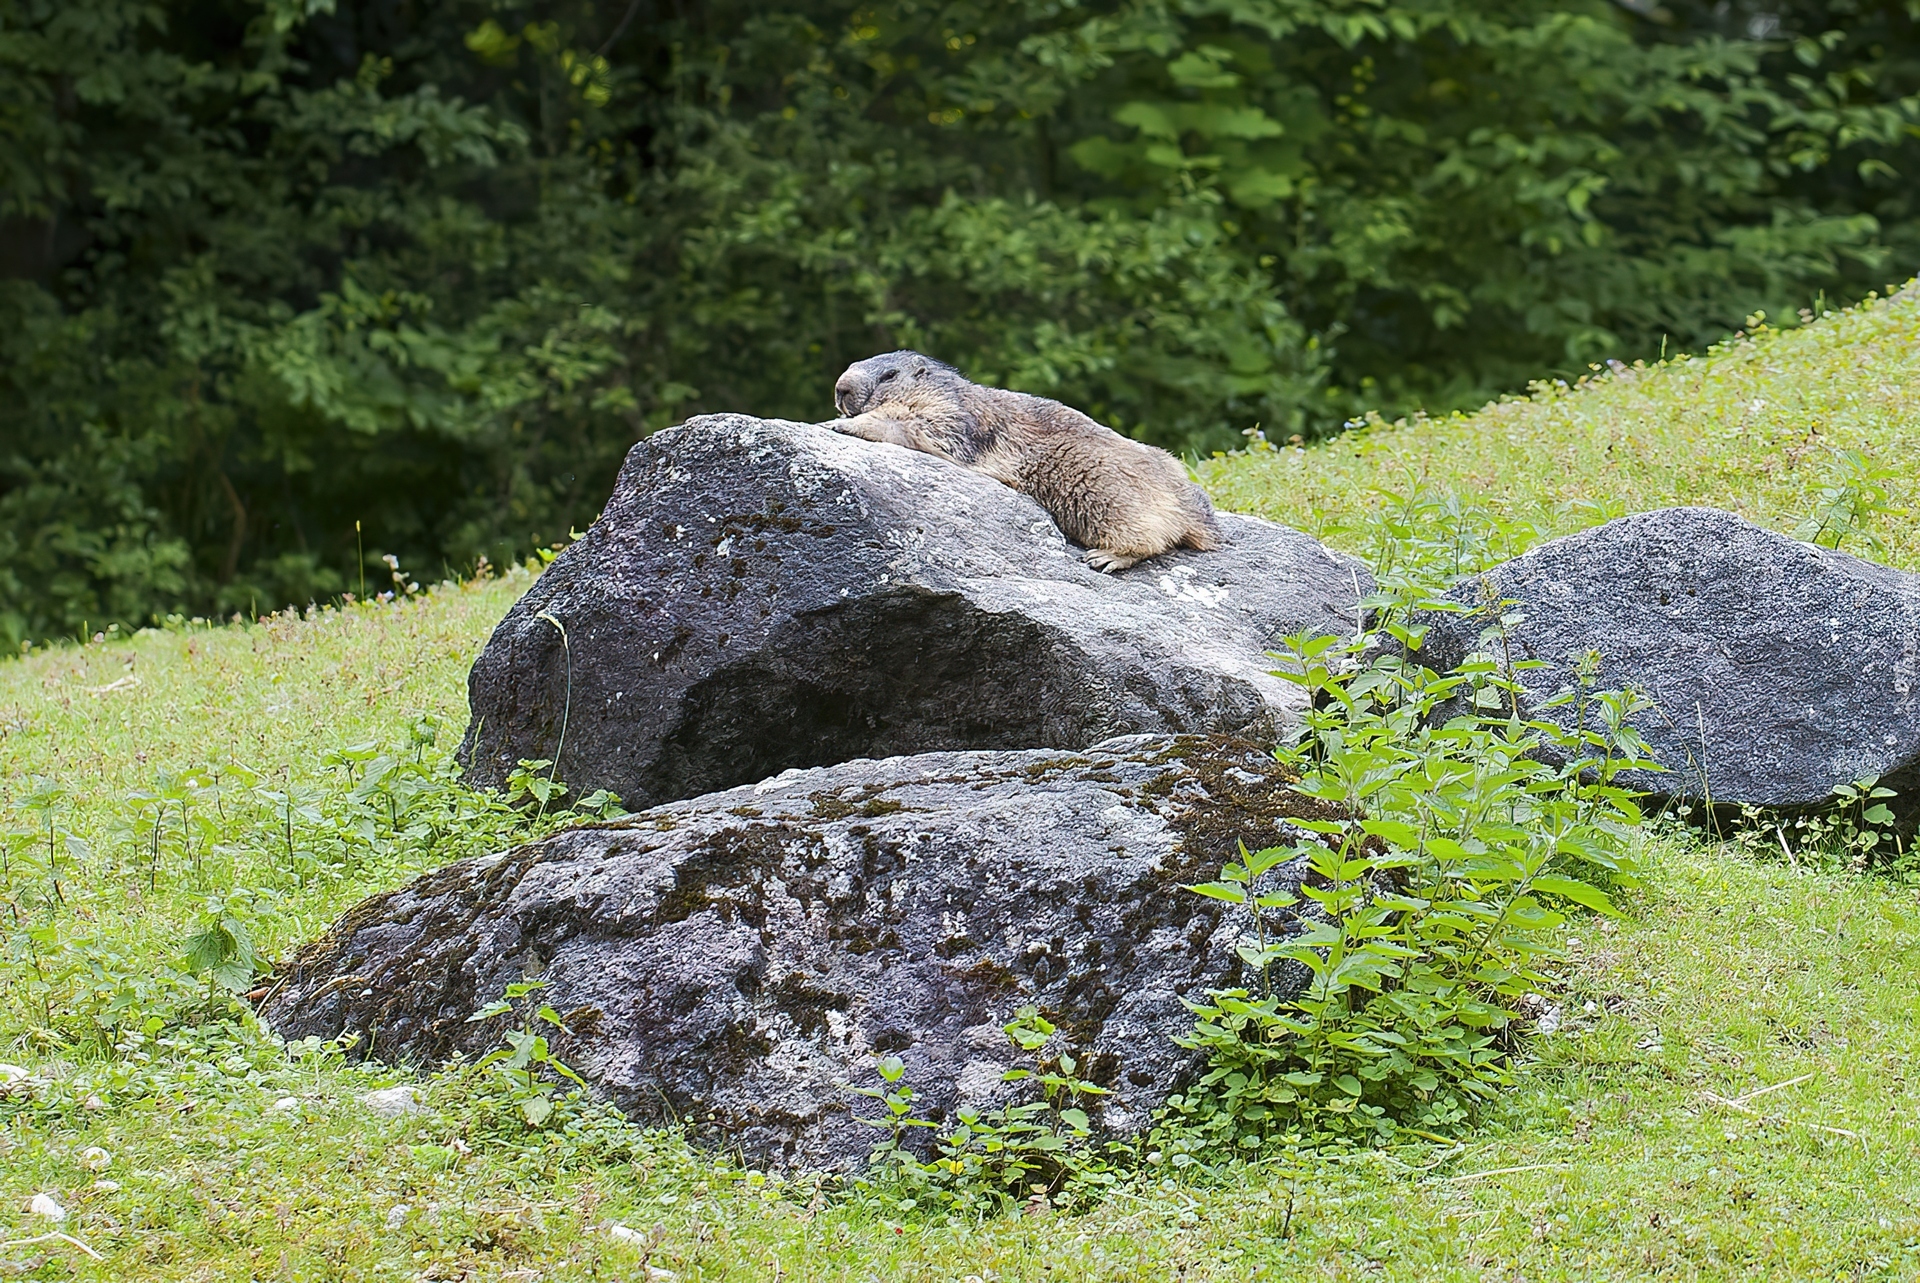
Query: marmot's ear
{"points": [[919, 369]]}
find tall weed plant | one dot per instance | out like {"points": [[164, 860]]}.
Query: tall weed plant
{"points": [[1382, 995]]}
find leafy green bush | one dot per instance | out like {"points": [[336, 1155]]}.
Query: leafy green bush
{"points": [[1423, 924], [1383, 1000], [525, 1070], [1848, 503], [1038, 1150]]}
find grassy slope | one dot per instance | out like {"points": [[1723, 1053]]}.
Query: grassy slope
{"points": [[1752, 428], [275, 696], [1729, 975]]}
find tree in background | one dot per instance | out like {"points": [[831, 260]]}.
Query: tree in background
{"points": [[277, 267]]}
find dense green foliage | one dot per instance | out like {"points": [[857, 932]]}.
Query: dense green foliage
{"points": [[289, 284]]}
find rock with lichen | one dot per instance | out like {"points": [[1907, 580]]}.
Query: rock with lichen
{"points": [[760, 595], [739, 961], [1776, 670]]}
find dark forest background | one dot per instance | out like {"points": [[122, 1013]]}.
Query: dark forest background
{"points": [[269, 268]]}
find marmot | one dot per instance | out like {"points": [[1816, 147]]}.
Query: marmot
{"points": [[1119, 499]]}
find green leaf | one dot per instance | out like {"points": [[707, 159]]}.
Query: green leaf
{"points": [[1265, 859], [1579, 892], [1397, 832], [206, 950], [234, 976]]}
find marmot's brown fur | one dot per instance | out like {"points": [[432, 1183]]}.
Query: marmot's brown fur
{"points": [[1119, 499]]}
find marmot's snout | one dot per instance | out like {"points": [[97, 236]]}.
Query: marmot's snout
{"points": [[878, 378], [846, 394]]}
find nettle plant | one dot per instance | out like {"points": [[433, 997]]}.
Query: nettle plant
{"points": [[1857, 830], [525, 1071], [1851, 499], [1038, 1151], [1382, 994]]}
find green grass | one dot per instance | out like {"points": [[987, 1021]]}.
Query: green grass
{"points": [[1616, 1156], [1752, 428]]}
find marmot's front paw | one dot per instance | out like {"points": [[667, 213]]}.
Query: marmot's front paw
{"points": [[865, 427], [1108, 561]]}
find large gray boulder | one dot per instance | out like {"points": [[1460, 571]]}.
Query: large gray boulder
{"points": [[1780, 669], [735, 961], [761, 595]]}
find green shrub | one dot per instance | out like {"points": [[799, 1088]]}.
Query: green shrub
{"points": [[1423, 924], [1424, 920], [1038, 1150]]}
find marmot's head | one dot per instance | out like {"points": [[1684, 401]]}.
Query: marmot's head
{"points": [[884, 378]]}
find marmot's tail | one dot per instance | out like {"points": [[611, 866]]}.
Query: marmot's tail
{"points": [[1203, 527]]}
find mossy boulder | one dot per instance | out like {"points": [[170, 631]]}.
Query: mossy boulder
{"points": [[739, 960]]}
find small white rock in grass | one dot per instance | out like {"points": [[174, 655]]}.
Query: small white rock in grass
{"points": [[393, 1102], [397, 1215], [627, 1234], [287, 1104], [17, 1083], [93, 1158], [45, 1205], [107, 1187]]}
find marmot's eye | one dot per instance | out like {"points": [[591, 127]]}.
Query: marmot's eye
{"points": [[888, 375]]}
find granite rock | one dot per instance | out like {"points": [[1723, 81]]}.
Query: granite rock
{"points": [[1779, 670], [740, 960], [760, 595]]}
